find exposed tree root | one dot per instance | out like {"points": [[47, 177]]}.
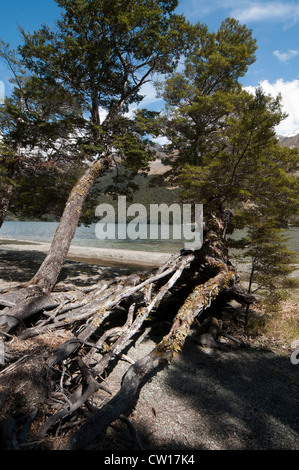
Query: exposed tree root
{"points": [[92, 329]]}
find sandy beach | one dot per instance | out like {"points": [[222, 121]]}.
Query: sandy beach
{"points": [[20, 259], [94, 255]]}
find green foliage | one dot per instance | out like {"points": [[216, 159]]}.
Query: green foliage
{"points": [[42, 191], [75, 84], [248, 171], [199, 97], [103, 52], [270, 259], [38, 162], [228, 157]]}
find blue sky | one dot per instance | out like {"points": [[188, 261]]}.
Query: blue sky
{"points": [[275, 25]]}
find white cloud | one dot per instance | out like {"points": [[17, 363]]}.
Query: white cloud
{"points": [[266, 11], [285, 56], [248, 10], [150, 100], [245, 10], [289, 91], [149, 93]]}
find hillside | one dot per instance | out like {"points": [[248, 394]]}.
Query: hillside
{"points": [[147, 193], [291, 142]]}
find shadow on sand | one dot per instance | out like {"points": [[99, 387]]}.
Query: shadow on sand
{"points": [[20, 266]]}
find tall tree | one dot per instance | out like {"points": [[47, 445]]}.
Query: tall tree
{"points": [[245, 170], [232, 163], [101, 54], [271, 261], [223, 149]]}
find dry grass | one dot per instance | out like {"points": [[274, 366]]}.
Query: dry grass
{"points": [[47, 341], [276, 326]]}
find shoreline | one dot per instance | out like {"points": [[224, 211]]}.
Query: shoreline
{"points": [[120, 259], [93, 255]]}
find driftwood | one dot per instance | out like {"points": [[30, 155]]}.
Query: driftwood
{"points": [[97, 324]]}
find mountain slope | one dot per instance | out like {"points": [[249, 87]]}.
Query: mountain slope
{"points": [[291, 142]]}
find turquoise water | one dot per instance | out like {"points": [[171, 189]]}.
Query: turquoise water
{"points": [[86, 236]]}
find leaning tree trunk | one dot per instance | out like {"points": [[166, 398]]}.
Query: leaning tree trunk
{"points": [[5, 203], [47, 275]]}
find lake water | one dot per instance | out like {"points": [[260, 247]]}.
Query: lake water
{"points": [[86, 236]]}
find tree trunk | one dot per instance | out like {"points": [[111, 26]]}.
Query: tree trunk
{"points": [[47, 275], [5, 203]]}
